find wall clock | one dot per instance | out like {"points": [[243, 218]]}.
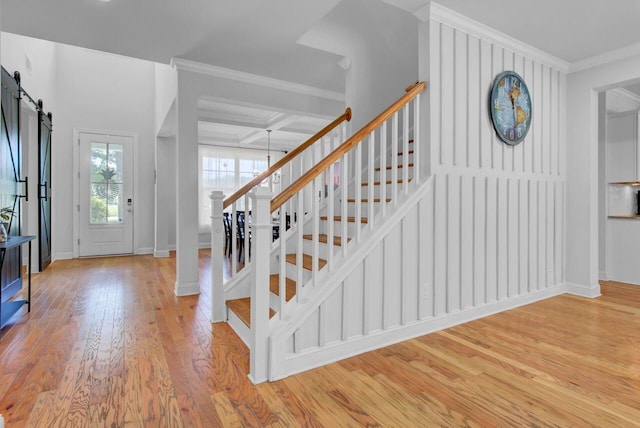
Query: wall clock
{"points": [[510, 107]]}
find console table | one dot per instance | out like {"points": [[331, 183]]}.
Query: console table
{"points": [[9, 307]]}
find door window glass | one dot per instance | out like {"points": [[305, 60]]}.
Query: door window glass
{"points": [[106, 183]]}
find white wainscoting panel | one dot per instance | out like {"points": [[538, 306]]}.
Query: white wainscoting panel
{"points": [[485, 233]]}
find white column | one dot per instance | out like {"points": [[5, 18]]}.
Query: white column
{"points": [[217, 248], [186, 188], [261, 243]]}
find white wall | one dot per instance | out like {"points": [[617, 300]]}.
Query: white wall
{"points": [[39, 80], [498, 227], [602, 184], [381, 43], [107, 93], [486, 233], [92, 90], [165, 212], [166, 87], [582, 171]]}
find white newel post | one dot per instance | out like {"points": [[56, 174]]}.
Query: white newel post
{"points": [[260, 252], [217, 244]]}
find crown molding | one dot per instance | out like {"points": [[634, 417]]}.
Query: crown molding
{"points": [[254, 79], [605, 58], [627, 100], [439, 13], [624, 93]]}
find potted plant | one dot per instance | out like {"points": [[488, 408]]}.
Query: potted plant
{"points": [[6, 214]]}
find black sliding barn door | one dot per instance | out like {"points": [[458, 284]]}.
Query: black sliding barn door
{"points": [[44, 188], [10, 185]]}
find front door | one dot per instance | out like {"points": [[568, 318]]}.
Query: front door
{"points": [[106, 195]]}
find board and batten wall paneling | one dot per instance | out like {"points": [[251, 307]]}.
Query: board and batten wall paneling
{"points": [[490, 228], [498, 225]]}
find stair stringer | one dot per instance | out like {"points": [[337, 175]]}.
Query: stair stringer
{"points": [[282, 361]]}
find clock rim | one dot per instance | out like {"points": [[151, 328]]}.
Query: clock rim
{"points": [[494, 87]]}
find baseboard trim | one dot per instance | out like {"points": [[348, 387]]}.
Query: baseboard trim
{"points": [[239, 327], [62, 256], [581, 290], [187, 289], [291, 364], [144, 251], [161, 253]]}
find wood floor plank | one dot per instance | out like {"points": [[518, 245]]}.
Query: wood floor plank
{"points": [[109, 344]]}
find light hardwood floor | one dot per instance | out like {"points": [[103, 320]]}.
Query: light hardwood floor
{"points": [[108, 344]]}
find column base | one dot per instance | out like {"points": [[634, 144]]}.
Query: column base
{"points": [[187, 289]]}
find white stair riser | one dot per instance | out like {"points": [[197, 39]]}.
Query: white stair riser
{"points": [[377, 190], [292, 273], [351, 208], [322, 248], [239, 327], [337, 228]]}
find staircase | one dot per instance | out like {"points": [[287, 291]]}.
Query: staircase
{"points": [[290, 303]]}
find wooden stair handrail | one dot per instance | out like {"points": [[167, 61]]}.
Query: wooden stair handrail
{"points": [[288, 157], [356, 138]]}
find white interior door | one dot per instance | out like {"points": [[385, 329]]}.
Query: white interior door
{"points": [[106, 195]]}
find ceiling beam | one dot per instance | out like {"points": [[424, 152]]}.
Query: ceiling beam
{"points": [[275, 125], [241, 121]]}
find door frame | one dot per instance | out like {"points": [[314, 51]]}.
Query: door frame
{"points": [[76, 181]]}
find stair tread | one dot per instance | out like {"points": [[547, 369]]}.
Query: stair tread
{"points": [[402, 153], [377, 183], [349, 219], [322, 237], [306, 261], [242, 308], [410, 165], [366, 200], [274, 286]]}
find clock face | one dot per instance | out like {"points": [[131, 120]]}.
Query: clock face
{"points": [[510, 107]]}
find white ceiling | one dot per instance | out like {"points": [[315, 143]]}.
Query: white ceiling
{"points": [[260, 37], [572, 30], [255, 36], [634, 89], [224, 123]]}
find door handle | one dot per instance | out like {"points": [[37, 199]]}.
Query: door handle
{"points": [[43, 193], [26, 189]]}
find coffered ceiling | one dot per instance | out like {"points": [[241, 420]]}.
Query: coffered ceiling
{"points": [[226, 123]]}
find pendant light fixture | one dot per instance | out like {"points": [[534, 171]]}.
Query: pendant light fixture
{"points": [[275, 177], [268, 148]]}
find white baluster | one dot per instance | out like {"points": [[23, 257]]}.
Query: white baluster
{"points": [[394, 158], [383, 168], [316, 227], [299, 232], [405, 148], [217, 244], [371, 169], [330, 214], [358, 172], [416, 139], [282, 283], [234, 240], [344, 188], [247, 244]]}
